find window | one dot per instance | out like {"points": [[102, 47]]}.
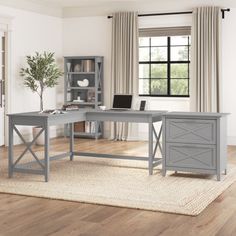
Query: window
{"points": [[164, 65]]}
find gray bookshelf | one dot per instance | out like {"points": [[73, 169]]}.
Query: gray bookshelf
{"points": [[84, 87]]}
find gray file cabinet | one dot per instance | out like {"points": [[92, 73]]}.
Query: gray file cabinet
{"points": [[195, 142]]}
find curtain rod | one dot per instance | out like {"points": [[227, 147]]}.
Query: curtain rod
{"points": [[175, 13]]}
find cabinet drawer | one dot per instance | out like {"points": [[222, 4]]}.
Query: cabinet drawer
{"points": [[191, 156], [191, 131]]}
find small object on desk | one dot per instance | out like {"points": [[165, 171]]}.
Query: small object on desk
{"points": [[70, 107], [46, 111], [102, 108], [142, 105], [58, 112], [53, 112]]}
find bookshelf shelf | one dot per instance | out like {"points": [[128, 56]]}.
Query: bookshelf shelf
{"points": [[86, 103]]}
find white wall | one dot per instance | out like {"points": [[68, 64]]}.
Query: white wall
{"points": [[31, 32], [89, 36], [229, 72]]}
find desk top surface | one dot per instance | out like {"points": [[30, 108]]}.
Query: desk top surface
{"points": [[87, 111], [127, 112], [45, 115], [195, 114], [117, 113]]}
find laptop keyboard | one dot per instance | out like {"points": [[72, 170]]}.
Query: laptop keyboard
{"points": [[119, 109]]}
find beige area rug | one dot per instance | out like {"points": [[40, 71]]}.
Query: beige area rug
{"points": [[119, 183]]}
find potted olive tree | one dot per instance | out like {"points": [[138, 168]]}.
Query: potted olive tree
{"points": [[41, 72]]}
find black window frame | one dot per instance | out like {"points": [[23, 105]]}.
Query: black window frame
{"points": [[168, 63]]}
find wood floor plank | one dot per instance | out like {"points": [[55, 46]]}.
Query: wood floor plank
{"points": [[101, 214], [229, 228], [27, 216]]}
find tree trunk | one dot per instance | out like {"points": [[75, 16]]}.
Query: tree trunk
{"points": [[41, 103], [41, 97]]}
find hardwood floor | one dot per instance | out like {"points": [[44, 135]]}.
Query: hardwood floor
{"points": [[21, 215]]}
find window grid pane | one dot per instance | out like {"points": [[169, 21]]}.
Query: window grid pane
{"points": [[159, 86], [158, 41], [178, 70], [144, 54], [179, 86], [179, 40], [144, 71], [158, 53], [164, 66], [179, 53], [144, 41], [158, 70]]}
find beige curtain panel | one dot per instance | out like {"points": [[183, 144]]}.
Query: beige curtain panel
{"points": [[124, 61], [206, 60]]}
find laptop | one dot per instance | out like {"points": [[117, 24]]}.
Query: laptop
{"points": [[122, 102]]}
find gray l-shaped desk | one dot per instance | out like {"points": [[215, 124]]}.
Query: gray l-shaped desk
{"points": [[194, 142], [45, 121]]}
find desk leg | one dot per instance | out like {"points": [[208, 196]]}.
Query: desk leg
{"points": [[46, 153], [150, 150], [96, 129], [115, 130], [10, 150], [71, 141]]}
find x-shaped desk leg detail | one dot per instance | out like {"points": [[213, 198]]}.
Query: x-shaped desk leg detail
{"points": [[13, 164], [28, 147], [152, 152]]}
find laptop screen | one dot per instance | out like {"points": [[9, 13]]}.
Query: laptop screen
{"points": [[122, 101]]}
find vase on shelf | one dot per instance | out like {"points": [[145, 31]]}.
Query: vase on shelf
{"points": [[77, 68], [68, 64]]}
